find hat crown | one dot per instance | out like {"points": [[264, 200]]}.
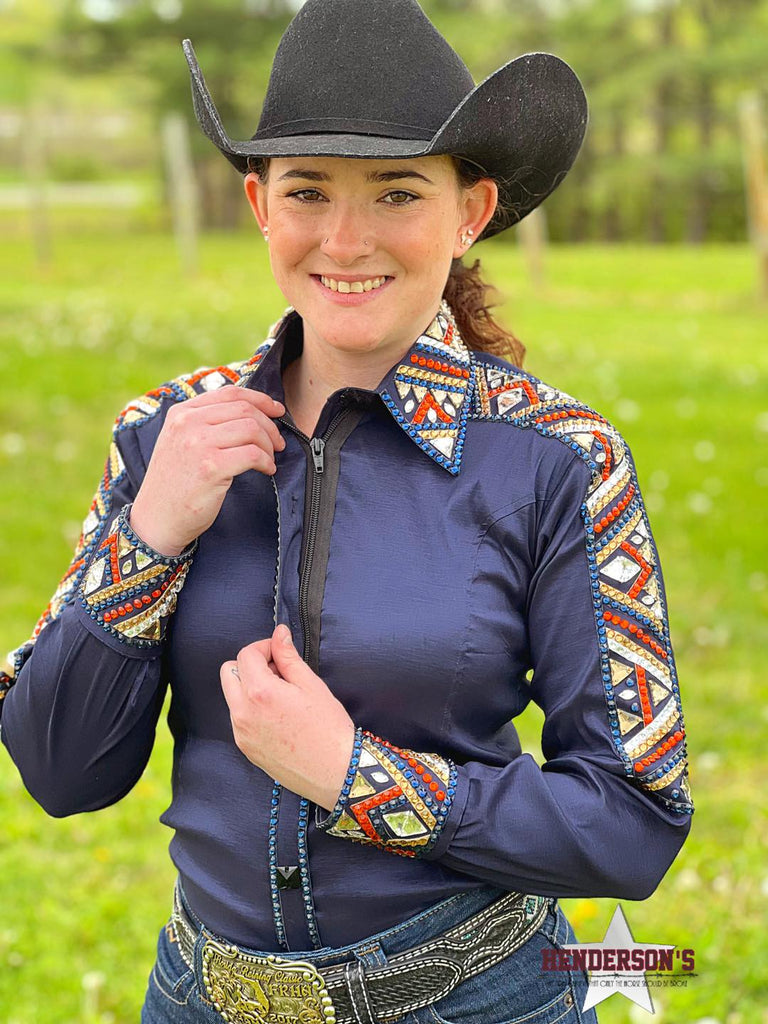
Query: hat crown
{"points": [[362, 66]]}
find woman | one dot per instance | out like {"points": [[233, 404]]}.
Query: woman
{"points": [[348, 631]]}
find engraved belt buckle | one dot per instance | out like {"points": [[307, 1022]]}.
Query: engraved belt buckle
{"points": [[250, 989]]}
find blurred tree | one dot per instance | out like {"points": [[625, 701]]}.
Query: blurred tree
{"points": [[662, 155], [234, 42], [662, 115], [25, 34], [704, 82]]}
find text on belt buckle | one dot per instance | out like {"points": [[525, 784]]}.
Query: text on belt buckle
{"points": [[250, 989]]}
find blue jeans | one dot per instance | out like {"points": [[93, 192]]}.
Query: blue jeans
{"points": [[512, 991]]}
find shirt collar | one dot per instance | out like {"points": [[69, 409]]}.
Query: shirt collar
{"points": [[428, 392]]}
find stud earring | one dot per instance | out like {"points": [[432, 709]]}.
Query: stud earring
{"points": [[266, 233], [466, 237]]}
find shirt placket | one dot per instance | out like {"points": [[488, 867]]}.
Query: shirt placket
{"points": [[289, 869]]}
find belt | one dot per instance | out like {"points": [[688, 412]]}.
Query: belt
{"points": [[246, 987]]}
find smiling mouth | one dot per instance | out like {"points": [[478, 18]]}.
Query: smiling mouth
{"points": [[348, 287]]}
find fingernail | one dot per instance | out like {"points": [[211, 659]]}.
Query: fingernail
{"points": [[285, 634]]}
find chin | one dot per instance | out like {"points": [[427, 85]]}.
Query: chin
{"points": [[352, 340]]}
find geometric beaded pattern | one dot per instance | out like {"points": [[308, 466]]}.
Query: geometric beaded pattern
{"points": [[130, 590], [428, 393], [135, 413], [99, 510], [393, 798], [638, 670]]}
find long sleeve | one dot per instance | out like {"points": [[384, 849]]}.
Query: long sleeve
{"points": [[610, 808], [81, 699]]}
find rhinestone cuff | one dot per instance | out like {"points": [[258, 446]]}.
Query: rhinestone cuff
{"points": [[394, 798], [130, 589]]}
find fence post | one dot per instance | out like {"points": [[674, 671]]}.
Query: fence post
{"points": [[33, 153], [182, 189], [756, 177], [532, 232]]}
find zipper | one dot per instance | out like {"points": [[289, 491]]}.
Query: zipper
{"points": [[279, 566], [316, 446]]}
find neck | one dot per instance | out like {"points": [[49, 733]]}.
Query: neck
{"points": [[311, 379], [321, 372]]}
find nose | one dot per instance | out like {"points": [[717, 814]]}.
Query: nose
{"points": [[346, 234]]}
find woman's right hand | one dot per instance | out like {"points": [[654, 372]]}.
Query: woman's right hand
{"points": [[203, 445]]}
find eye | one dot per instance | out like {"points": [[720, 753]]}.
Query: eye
{"points": [[400, 198], [305, 195]]}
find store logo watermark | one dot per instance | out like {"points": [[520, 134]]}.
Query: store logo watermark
{"points": [[619, 964]]}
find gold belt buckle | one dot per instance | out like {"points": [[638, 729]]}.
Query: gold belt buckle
{"points": [[250, 989]]}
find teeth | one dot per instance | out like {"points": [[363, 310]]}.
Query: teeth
{"points": [[345, 287]]}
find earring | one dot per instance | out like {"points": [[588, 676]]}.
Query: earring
{"points": [[266, 233], [466, 237]]}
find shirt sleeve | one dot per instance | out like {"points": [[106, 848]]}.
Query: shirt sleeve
{"points": [[608, 811], [80, 700]]}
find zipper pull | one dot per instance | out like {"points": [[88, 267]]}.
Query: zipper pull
{"points": [[317, 444]]}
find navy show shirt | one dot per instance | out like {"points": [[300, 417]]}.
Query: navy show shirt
{"points": [[448, 547]]}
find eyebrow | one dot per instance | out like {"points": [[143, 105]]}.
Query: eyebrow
{"points": [[372, 176]]}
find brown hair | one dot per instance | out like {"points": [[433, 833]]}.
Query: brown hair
{"points": [[465, 291], [468, 294]]}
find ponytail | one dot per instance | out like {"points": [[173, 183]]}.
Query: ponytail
{"points": [[468, 296]]}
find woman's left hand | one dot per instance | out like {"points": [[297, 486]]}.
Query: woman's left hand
{"points": [[286, 720]]}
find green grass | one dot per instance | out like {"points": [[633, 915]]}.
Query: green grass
{"points": [[670, 344]]}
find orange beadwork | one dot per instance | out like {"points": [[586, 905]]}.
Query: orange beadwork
{"points": [[660, 750], [646, 568], [601, 524], [427, 403], [225, 371], [636, 631], [642, 689], [516, 385], [608, 464]]}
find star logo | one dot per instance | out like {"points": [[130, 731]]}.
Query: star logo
{"points": [[631, 983]]}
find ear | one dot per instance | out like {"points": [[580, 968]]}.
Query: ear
{"points": [[256, 193], [476, 207]]}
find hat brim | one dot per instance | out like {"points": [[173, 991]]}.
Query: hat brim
{"points": [[523, 125]]}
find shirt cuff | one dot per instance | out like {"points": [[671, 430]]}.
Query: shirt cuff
{"points": [[397, 799], [129, 590]]}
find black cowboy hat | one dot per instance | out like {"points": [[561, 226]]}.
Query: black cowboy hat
{"points": [[375, 79]]}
